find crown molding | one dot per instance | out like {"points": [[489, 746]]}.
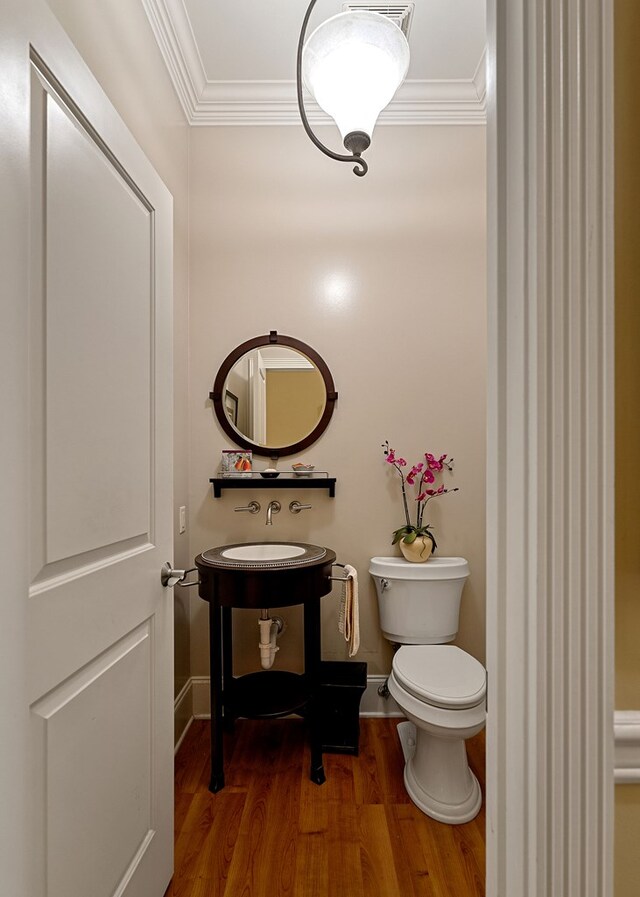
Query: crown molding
{"points": [[275, 103], [173, 33], [459, 102]]}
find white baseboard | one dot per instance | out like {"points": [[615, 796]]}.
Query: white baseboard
{"points": [[182, 736], [626, 729], [371, 704], [374, 705], [183, 697], [182, 713], [201, 699], [626, 722]]}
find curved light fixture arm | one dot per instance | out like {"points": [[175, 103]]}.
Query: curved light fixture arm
{"points": [[361, 166]]}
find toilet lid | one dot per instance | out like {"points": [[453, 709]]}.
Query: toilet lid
{"points": [[442, 675]]}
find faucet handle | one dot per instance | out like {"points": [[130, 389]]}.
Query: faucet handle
{"points": [[253, 507], [295, 507]]}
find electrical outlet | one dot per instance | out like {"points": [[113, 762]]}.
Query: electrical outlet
{"points": [[182, 520]]}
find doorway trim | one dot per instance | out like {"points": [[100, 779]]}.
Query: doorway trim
{"points": [[550, 448]]}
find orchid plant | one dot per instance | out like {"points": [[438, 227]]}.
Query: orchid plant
{"points": [[424, 474]]}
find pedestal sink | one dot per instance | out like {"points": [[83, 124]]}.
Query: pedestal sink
{"points": [[263, 575]]}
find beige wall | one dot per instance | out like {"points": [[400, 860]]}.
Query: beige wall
{"points": [[116, 42], [383, 276], [627, 238]]}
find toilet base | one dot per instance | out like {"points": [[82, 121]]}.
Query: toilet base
{"points": [[435, 766]]}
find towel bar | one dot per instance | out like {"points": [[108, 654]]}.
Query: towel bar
{"points": [[339, 578]]}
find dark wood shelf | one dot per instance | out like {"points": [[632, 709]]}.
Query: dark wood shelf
{"points": [[281, 482], [268, 694]]}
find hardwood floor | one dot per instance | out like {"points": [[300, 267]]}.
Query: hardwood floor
{"points": [[272, 833]]}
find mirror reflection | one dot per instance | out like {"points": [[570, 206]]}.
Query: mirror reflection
{"points": [[274, 396]]}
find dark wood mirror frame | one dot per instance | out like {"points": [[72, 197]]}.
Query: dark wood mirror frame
{"points": [[272, 339]]}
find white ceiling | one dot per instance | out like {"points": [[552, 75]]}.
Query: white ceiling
{"points": [[234, 62]]}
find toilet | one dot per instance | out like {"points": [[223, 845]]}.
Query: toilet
{"points": [[439, 687]]}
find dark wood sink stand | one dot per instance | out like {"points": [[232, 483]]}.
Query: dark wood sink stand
{"points": [[265, 694]]}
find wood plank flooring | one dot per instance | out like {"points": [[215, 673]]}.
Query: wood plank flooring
{"points": [[272, 833]]}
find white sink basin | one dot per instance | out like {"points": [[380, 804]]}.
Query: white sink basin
{"points": [[270, 551]]}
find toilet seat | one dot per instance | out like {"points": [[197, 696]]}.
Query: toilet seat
{"points": [[441, 675]]}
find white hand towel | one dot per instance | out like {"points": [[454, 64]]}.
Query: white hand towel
{"points": [[349, 618]]}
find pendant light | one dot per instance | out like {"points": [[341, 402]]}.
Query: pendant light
{"points": [[352, 65]]}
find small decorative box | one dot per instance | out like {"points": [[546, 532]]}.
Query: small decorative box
{"points": [[235, 464]]}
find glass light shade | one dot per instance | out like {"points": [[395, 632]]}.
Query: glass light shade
{"points": [[352, 65]]}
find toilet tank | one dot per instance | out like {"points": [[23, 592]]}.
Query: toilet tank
{"points": [[419, 604]]}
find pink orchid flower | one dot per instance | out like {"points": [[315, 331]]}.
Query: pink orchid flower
{"points": [[413, 473], [421, 474], [435, 463]]}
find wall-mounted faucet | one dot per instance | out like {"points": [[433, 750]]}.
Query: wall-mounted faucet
{"points": [[272, 508]]}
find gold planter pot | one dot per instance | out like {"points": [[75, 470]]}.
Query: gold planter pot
{"points": [[417, 551]]}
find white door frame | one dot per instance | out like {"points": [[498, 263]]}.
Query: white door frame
{"points": [[550, 435]]}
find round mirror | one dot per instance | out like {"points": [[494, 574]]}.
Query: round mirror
{"points": [[273, 395]]}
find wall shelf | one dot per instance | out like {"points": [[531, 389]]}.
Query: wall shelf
{"points": [[281, 482]]}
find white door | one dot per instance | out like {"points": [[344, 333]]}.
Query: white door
{"points": [[94, 333]]}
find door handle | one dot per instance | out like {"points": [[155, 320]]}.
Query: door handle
{"points": [[170, 577]]}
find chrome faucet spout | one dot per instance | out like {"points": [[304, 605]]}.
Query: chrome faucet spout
{"points": [[272, 508]]}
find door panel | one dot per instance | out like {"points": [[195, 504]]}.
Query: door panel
{"points": [[98, 272], [99, 623], [96, 310], [98, 808]]}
